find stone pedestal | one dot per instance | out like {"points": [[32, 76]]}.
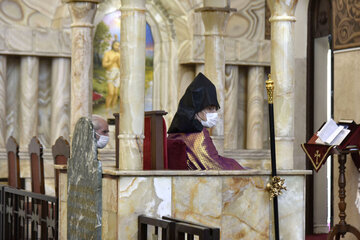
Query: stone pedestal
{"points": [[255, 108], [214, 19], [29, 84], [132, 42], [283, 73], [82, 16], [60, 103], [2, 101]]}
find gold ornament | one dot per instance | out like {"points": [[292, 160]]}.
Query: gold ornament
{"points": [[275, 186], [270, 89]]}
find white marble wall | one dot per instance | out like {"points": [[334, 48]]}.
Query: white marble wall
{"points": [[237, 202]]}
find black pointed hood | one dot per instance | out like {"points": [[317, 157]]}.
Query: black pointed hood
{"points": [[200, 94]]}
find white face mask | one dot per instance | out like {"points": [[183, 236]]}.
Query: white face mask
{"points": [[211, 120], [102, 141]]}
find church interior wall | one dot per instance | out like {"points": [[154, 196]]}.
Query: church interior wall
{"points": [[44, 31], [346, 101], [301, 24], [35, 28]]}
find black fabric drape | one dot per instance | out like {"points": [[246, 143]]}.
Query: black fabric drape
{"points": [[200, 94]]}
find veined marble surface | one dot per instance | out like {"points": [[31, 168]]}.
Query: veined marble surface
{"points": [[235, 201], [283, 74]]}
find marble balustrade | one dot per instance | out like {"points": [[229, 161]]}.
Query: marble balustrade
{"points": [[235, 201], [29, 83], [231, 122], [255, 107], [60, 102]]}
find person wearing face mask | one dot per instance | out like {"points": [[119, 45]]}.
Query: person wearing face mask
{"points": [[101, 129], [197, 112]]}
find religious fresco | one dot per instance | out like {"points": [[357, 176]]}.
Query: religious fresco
{"points": [[106, 76]]}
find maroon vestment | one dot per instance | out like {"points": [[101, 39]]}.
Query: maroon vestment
{"points": [[202, 154]]}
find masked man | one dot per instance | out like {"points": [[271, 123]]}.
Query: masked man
{"points": [[101, 129], [197, 112]]}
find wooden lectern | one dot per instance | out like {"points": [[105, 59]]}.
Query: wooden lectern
{"points": [[318, 154]]}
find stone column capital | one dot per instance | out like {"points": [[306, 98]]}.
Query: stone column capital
{"points": [[214, 19], [282, 10], [82, 12]]}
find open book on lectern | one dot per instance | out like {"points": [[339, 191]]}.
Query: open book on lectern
{"points": [[331, 133], [340, 136]]}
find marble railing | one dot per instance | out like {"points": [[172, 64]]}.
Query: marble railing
{"points": [[254, 159], [235, 201]]}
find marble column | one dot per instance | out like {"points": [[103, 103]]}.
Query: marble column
{"points": [[132, 42], [60, 101], [255, 108], [214, 15], [82, 17], [29, 85], [231, 107], [2, 101], [283, 73]]}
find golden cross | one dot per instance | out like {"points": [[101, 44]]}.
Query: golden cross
{"points": [[317, 155]]}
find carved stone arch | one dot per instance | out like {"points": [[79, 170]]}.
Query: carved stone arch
{"points": [[165, 58]]}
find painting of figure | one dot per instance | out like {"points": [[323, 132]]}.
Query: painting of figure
{"points": [[107, 66]]}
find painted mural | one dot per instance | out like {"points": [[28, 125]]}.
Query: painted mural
{"points": [[106, 80]]}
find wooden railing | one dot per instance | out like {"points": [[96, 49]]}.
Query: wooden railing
{"points": [[175, 229], [27, 215]]}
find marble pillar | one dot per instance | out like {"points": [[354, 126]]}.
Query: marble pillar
{"points": [[2, 101], [283, 73], [44, 102], [29, 85], [231, 107], [255, 108], [82, 17], [214, 17], [132, 42], [60, 102], [13, 99]]}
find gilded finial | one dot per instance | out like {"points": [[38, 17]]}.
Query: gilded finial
{"points": [[275, 186], [270, 89]]}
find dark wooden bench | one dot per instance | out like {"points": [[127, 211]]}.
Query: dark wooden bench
{"points": [[38, 184], [61, 154], [214, 233], [175, 229], [12, 149]]}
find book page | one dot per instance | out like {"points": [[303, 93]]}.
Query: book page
{"points": [[340, 137], [325, 132], [334, 135], [318, 141]]}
